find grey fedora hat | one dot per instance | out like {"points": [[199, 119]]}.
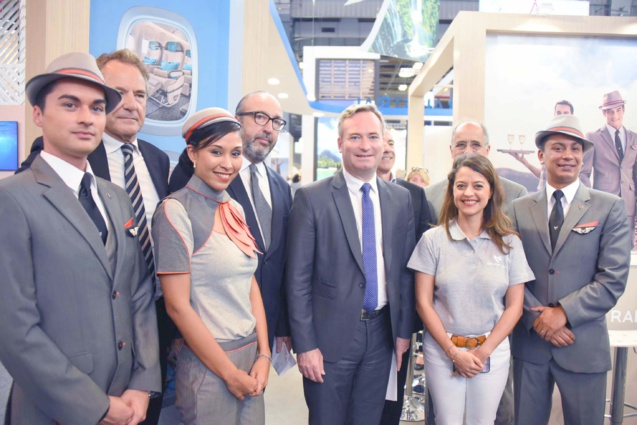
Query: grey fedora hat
{"points": [[78, 65], [568, 125], [612, 100]]}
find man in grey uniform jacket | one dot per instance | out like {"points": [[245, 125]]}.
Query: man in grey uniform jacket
{"points": [[77, 318]]}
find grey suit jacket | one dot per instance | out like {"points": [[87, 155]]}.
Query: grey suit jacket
{"points": [[436, 195], [74, 327], [586, 275], [325, 282], [603, 162]]}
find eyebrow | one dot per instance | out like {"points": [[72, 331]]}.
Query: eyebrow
{"points": [[77, 99]]}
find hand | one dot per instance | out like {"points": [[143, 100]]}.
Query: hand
{"points": [[260, 371], [240, 383], [311, 365], [550, 320], [138, 401], [402, 345], [467, 364], [119, 413], [283, 339], [562, 337]]}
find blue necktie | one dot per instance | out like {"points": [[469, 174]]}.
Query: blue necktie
{"points": [[370, 301]]}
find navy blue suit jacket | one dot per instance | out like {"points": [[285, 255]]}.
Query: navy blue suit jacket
{"points": [[270, 271]]}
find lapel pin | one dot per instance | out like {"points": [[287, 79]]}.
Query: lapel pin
{"points": [[108, 194], [634, 147]]}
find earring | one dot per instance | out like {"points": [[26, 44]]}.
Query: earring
{"points": [[194, 165]]}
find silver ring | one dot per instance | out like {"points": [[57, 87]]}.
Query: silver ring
{"points": [[543, 332]]}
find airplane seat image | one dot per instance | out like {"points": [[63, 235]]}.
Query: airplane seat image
{"points": [[167, 81], [187, 74], [153, 56]]}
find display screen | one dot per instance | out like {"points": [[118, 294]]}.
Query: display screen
{"points": [[8, 145]]}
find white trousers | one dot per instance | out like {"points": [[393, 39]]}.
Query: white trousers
{"points": [[456, 398]]}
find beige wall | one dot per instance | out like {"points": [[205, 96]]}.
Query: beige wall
{"points": [[54, 27]]}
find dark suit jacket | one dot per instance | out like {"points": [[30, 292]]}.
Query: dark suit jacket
{"points": [[270, 271], [325, 281], [586, 273], [423, 217], [156, 161], [75, 325]]}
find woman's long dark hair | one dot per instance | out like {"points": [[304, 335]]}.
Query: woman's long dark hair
{"points": [[496, 222]]}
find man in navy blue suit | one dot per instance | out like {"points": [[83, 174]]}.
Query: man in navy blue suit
{"points": [[261, 119], [125, 72]]}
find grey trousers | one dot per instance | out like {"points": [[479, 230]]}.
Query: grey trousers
{"points": [[203, 398]]}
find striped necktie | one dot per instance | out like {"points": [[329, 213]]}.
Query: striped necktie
{"points": [[261, 206], [134, 191]]}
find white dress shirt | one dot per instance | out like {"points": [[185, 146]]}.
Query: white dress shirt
{"points": [[356, 196], [264, 185], [622, 135], [116, 168], [569, 193]]}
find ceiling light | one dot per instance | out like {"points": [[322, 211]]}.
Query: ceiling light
{"points": [[301, 65], [318, 114], [402, 87], [406, 72], [273, 81], [417, 66], [282, 95], [311, 97]]}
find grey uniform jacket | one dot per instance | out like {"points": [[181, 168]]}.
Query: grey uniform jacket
{"points": [[75, 325], [585, 274]]}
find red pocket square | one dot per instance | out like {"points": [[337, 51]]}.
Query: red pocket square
{"points": [[130, 223], [589, 224]]}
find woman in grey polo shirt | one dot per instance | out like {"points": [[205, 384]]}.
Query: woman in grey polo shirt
{"points": [[205, 259], [470, 280]]}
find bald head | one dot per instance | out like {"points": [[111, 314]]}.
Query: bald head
{"points": [[258, 140], [469, 137]]}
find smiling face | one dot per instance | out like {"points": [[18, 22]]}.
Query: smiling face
{"points": [[469, 138], [218, 163], [562, 156], [72, 121], [361, 144], [127, 119], [471, 193], [614, 117]]}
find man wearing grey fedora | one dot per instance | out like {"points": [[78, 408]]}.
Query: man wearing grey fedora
{"points": [[577, 242], [612, 159], [77, 318]]}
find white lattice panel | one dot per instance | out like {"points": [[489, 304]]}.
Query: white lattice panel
{"points": [[12, 51]]}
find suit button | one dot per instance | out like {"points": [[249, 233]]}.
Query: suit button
{"points": [[115, 294], [361, 285], [551, 271], [121, 345]]}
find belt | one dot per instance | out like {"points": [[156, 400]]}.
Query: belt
{"points": [[365, 315], [468, 342]]}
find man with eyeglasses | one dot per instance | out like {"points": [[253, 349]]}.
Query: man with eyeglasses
{"points": [[467, 137], [266, 199], [470, 137]]}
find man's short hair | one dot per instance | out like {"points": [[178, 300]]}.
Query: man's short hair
{"points": [[567, 103], [484, 131], [125, 56], [352, 110]]}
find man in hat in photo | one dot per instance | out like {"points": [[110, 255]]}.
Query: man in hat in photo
{"points": [[77, 317], [612, 159], [577, 242]]}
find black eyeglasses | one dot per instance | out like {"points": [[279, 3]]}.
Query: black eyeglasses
{"points": [[419, 169], [263, 119]]}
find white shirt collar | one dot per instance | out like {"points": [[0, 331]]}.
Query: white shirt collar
{"points": [[70, 175], [111, 144], [354, 183], [569, 191], [260, 167]]}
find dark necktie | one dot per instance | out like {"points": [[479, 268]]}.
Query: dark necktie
{"points": [[261, 206], [618, 146], [370, 301], [557, 217], [135, 193], [87, 201]]}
